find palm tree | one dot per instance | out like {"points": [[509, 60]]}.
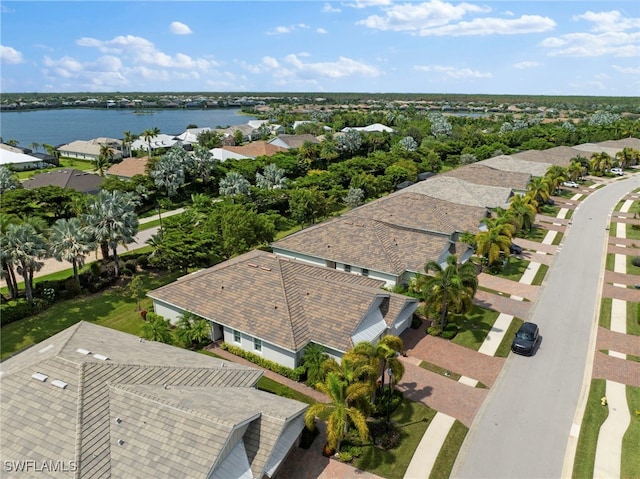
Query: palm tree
{"points": [[201, 163], [540, 189], [492, 243], [110, 220], [104, 159], [156, 328], [8, 180], [450, 289], [524, 210], [627, 157], [575, 170], [168, 172], [148, 135], [313, 357], [271, 178], [68, 241], [34, 146], [556, 175], [600, 162], [234, 184], [25, 246], [6, 258], [192, 329], [126, 141], [338, 411]]}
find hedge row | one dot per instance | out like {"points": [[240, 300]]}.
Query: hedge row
{"points": [[20, 309], [296, 374]]}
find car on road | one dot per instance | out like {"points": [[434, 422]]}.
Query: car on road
{"points": [[526, 339], [617, 171], [570, 184]]}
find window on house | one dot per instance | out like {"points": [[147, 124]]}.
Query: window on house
{"points": [[347, 268], [236, 336], [365, 272], [257, 344]]}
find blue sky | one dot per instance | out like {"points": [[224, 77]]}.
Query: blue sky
{"points": [[497, 47]]}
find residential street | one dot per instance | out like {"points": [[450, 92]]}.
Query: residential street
{"points": [[521, 431]]}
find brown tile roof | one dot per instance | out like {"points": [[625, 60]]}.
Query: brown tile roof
{"points": [[455, 190], [78, 180], [485, 175], [416, 210], [283, 302], [509, 163], [559, 155], [172, 408], [369, 244], [255, 149], [129, 167]]}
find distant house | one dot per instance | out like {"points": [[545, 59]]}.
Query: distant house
{"points": [[255, 149], [19, 161], [78, 180], [129, 167], [90, 150], [274, 307], [99, 403], [293, 141], [510, 163], [190, 135], [375, 127], [485, 175], [223, 154], [160, 141], [456, 190]]}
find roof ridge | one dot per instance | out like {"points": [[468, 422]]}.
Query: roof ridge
{"points": [[292, 295], [381, 231]]}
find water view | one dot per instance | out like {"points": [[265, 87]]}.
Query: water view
{"points": [[57, 127]]}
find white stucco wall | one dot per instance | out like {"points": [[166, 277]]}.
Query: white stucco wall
{"points": [[269, 351]]}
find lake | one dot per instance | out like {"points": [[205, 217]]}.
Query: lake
{"points": [[60, 126]]}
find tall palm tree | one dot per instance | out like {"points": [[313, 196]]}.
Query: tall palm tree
{"points": [[271, 178], [600, 162], [148, 135], [110, 219], [68, 241], [127, 139], [201, 164], [540, 189], [6, 258], [492, 243], [104, 159], [168, 172], [35, 145], [313, 357], [338, 410], [25, 246], [524, 210], [450, 289], [234, 184], [556, 175]]}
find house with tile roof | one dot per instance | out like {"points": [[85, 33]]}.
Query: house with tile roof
{"points": [[159, 141], [509, 163], [82, 181], [558, 155], [274, 306], [293, 141], [98, 403], [485, 175], [456, 190], [255, 149], [129, 167], [90, 150], [14, 159]]}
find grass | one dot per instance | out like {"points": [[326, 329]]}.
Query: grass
{"points": [[449, 451], [505, 345], [540, 274], [536, 234], [112, 308], [269, 385], [514, 269], [605, 313], [434, 368], [610, 262], [633, 233], [474, 327], [557, 239], [412, 420], [631, 268], [148, 225], [594, 415], [633, 318], [631, 439]]}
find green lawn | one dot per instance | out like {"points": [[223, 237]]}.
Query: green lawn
{"points": [[631, 439], [605, 313], [111, 308], [505, 345], [474, 327], [412, 419], [536, 234], [594, 415], [540, 275], [449, 451], [633, 318]]}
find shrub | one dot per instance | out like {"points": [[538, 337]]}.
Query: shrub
{"points": [[131, 265], [143, 261], [20, 309], [96, 269], [450, 331], [71, 288], [294, 374], [434, 331], [345, 456], [636, 261]]}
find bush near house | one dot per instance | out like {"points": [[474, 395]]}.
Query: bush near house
{"points": [[296, 374]]}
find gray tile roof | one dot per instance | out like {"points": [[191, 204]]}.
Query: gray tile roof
{"points": [[622, 143], [416, 210], [485, 175], [509, 163], [455, 190], [174, 410], [559, 155], [78, 180], [284, 302]]}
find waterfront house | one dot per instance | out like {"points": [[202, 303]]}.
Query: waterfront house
{"points": [[274, 307], [98, 403], [15, 160], [90, 150], [82, 181]]}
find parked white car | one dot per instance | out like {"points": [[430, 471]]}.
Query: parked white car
{"points": [[617, 171], [570, 184]]}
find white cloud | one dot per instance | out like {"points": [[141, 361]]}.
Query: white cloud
{"points": [[452, 72], [368, 3], [618, 44], [525, 65], [280, 30], [328, 8], [10, 55], [180, 28], [343, 67], [409, 17], [493, 26], [612, 21], [322, 31], [627, 70]]}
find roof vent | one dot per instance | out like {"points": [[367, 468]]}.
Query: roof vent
{"points": [[40, 377], [101, 357], [253, 265], [120, 442], [83, 351], [265, 268], [118, 420], [59, 384]]}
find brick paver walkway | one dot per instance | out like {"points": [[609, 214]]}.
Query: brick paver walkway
{"points": [[495, 302], [615, 369]]}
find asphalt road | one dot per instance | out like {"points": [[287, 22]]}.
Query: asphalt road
{"points": [[523, 427]]}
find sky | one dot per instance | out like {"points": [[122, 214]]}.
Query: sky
{"points": [[551, 47]]}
